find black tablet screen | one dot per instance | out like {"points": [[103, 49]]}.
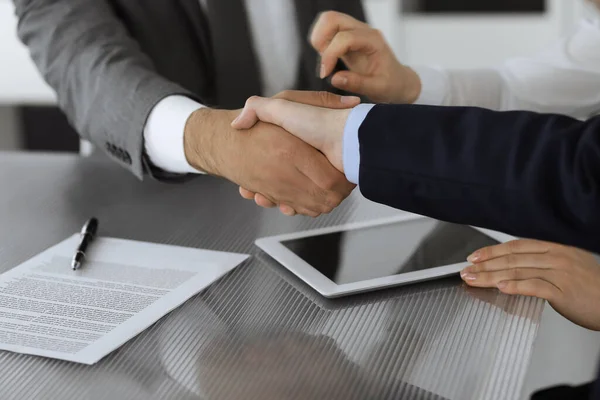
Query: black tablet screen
{"points": [[390, 249]]}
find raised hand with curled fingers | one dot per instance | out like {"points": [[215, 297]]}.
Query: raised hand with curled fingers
{"points": [[373, 69]]}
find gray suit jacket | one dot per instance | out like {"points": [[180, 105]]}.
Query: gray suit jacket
{"points": [[111, 61]]}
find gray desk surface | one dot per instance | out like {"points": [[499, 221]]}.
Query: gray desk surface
{"points": [[259, 333]]}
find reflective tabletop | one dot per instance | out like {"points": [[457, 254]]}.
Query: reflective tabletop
{"points": [[258, 333]]}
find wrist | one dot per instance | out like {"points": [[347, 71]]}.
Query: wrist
{"points": [[205, 132], [333, 147]]}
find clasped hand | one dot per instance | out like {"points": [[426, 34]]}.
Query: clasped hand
{"points": [[320, 127]]}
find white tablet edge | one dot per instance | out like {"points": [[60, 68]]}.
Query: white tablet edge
{"points": [[272, 245]]}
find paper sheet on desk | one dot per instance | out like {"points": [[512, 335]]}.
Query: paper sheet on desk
{"points": [[49, 310]]}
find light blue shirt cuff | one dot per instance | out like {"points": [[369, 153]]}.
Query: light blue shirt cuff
{"points": [[351, 151]]}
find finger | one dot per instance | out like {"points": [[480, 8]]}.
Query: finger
{"points": [[263, 202], [328, 24], [492, 279], [333, 185], [514, 261], [355, 83], [513, 247], [319, 99], [287, 210], [531, 287], [263, 109], [248, 195], [305, 197], [345, 42], [298, 210], [248, 117], [309, 213]]}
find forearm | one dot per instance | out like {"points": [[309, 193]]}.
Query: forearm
{"points": [[471, 88], [486, 88], [522, 85], [522, 173], [104, 82]]}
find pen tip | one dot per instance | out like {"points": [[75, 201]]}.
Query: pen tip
{"points": [[75, 265]]}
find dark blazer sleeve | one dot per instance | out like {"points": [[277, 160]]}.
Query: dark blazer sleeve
{"points": [[527, 174]]}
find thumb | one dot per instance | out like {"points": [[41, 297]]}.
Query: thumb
{"points": [[272, 111], [249, 116]]}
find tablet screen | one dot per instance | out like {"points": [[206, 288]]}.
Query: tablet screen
{"points": [[390, 249]]}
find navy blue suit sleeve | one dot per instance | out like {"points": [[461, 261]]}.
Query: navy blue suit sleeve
{"points": [[527, 174]]}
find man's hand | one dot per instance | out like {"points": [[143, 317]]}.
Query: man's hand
{"points": [[265, 159], [374, 70], [567, 277]]}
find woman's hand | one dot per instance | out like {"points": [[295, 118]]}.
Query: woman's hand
{"points": [[569, 278], [322, 128], [373, 69]]}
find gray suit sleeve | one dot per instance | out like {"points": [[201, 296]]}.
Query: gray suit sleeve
{"points": [[104, 82]]}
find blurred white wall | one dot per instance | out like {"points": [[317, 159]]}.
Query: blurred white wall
{"points": [[20, 82], [450, 41], [470, 41]]}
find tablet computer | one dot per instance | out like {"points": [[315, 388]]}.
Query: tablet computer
{"points": [[361, 257]]}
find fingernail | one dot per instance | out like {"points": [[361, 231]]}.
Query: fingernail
{"points": [[469, 277], [502, 285], [474, 257], [350, 99], [464, 272], [322, 73], [239, 116]]}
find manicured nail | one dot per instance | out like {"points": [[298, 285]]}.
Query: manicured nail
{"points": [[474, 257], [502, 285], [236, 120], [350, 99], [469, 277], [323, 74], [464, 272]]}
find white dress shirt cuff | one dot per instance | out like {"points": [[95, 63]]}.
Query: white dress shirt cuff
{"points": [[350, 144], [164, 131], [433, 86]]}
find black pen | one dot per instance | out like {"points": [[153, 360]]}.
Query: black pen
{"points": [[88, 232]]}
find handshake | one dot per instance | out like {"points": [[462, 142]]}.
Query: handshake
{"points": [[286, 151], [318, 119]]}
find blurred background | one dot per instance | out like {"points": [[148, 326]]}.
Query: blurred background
{"points": [[450, 33]]}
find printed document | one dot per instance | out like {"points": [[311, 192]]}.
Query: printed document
{"points": [[123, 287]]}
